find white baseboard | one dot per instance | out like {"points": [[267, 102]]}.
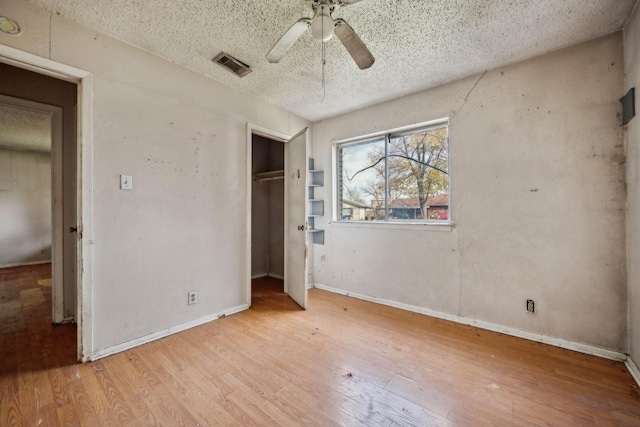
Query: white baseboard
{"points": [[25, 264], [558, 342], [66, 320], [261, 275], [99, 354], [633, 369]]}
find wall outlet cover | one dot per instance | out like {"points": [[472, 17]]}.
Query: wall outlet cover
{"points": [[192, 297], [531, 306]]}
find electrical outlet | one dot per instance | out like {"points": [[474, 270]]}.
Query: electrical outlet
{"points": [[193, 297], [531, 308]]}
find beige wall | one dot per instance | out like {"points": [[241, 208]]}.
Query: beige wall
{"points": [[182, 137], [632, 73], [538, 140], [25, 207]]}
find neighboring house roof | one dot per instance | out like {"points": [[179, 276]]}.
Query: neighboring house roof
{"points": [[437, 200]]}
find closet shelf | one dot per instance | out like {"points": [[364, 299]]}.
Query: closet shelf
{"points": [[269, 176]]}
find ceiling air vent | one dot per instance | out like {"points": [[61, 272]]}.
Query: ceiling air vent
{"points": [[230, 63]]}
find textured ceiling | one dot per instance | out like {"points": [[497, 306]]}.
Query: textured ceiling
{"points": [[417, 44], [24, 129]]}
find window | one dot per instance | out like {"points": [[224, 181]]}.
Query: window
{"points": [[399, 176]]}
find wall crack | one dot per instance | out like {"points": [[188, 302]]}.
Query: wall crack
{"points": [[466, 98]]}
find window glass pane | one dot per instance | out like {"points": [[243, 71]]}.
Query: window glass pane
{"points": [[362, 183], [398, 177], [418, 168]]}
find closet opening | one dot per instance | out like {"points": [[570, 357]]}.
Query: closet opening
{"points": [[267, 217]]}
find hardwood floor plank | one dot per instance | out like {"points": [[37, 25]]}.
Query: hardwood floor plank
{"points": [[99, 401], [67, 416], [170, 410], [48, 416], [188, 391], [10, 411], [121, 410], [85, 410], [341, 362], [8, 384], [254, 415]]}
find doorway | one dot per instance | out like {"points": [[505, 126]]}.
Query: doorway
{"points": [[277, 208], [33, 93], [39, 97], [32, 261], [31, 194], [267, 209]]}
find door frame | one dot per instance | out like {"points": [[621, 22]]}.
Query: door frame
{"points": [[276, 136], [56, 205], [84, 180]]}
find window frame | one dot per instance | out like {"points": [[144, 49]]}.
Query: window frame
{"points": [[387, 135]]}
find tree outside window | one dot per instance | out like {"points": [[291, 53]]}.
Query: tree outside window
{"points": [[396, 177]]}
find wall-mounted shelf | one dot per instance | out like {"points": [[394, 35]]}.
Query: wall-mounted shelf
{"points": [[316, 206], [269, 176], [317, 178], [317, 236]]}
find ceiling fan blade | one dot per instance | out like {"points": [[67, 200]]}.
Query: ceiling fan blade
{"points": [[358, 51], [287, 40]]}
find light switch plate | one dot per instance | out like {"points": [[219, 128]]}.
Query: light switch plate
{"points": [[126, 182]]}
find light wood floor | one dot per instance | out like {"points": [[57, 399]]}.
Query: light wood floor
{"points": [[342, 362]]}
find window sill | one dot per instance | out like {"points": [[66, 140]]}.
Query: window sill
{"points": [[394, 225]]}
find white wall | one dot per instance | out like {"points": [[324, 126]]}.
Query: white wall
{"points": [[632, 73], [538, 199], [183, 139], [25, 207]]}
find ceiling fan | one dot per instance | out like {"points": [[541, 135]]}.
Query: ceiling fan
{"points": [[323, 27]]}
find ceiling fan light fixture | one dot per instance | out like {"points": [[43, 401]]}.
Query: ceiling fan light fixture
{"points": [[322, 24], [323, 27]]}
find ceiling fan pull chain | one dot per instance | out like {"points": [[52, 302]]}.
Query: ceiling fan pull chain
{"points": [[324, 61], [324, 89]]}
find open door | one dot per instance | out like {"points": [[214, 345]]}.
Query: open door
{"points": [[295, 221], [55, 148]]}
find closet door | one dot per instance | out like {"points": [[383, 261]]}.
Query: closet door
{"points": [[296, 206]]}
